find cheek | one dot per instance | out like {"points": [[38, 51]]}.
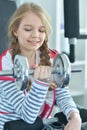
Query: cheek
{"points": [[21, 41], [43, 37], [21, 33]]}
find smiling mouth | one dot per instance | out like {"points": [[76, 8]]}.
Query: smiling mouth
{"points": [[33, 42]]}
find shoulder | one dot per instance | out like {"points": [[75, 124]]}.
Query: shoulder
{"points": [[1, 57], [4, 53], [5, 60], [53, 53]]}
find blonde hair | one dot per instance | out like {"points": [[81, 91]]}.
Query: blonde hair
{"points": [[15, 22]]}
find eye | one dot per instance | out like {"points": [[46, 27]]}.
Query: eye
{"points": [[42, 30], [28, 29]]}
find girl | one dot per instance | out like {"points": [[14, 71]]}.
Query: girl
{"points": [[29, 29]]}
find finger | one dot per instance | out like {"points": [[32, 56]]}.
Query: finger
{"points": [[37, 72], [49, 72], [34, 66]]}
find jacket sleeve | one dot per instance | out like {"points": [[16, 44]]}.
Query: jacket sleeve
{"points": [[27, 107], [65, 101]]}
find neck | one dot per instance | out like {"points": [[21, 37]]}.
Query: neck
{"points": [[31, 56]]}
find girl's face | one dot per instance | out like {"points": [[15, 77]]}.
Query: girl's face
{"points": [[31, 32]]}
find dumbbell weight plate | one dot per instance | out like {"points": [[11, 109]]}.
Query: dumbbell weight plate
{"points": [[21, 69], [67, 69], [63, 70]]}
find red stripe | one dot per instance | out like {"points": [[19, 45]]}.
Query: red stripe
{"points": [[53, 53], [7, 78], [41, 82], [4, 112], [47, 108]]}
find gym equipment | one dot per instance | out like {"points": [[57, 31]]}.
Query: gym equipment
{"points": [[60, 70], [7, 8], [53, 124]]}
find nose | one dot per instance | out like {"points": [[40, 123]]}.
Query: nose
{"points": [[35, 33]]}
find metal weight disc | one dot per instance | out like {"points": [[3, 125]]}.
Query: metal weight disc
{"points": [[67, 69], [21, 70], [62, 69]]}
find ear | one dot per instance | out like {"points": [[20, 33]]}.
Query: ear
{"points": [[15, 33]]}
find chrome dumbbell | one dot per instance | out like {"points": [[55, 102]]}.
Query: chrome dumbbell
{"points": [[61, 70]]}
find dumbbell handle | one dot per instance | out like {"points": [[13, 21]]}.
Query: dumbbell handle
{"points": [[53, 71], [31, 71]]}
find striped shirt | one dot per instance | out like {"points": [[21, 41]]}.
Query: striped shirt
{"points": [[14, 104]]}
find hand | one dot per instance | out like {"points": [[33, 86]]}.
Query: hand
{"points": [[74, 123], [43, 73]]}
